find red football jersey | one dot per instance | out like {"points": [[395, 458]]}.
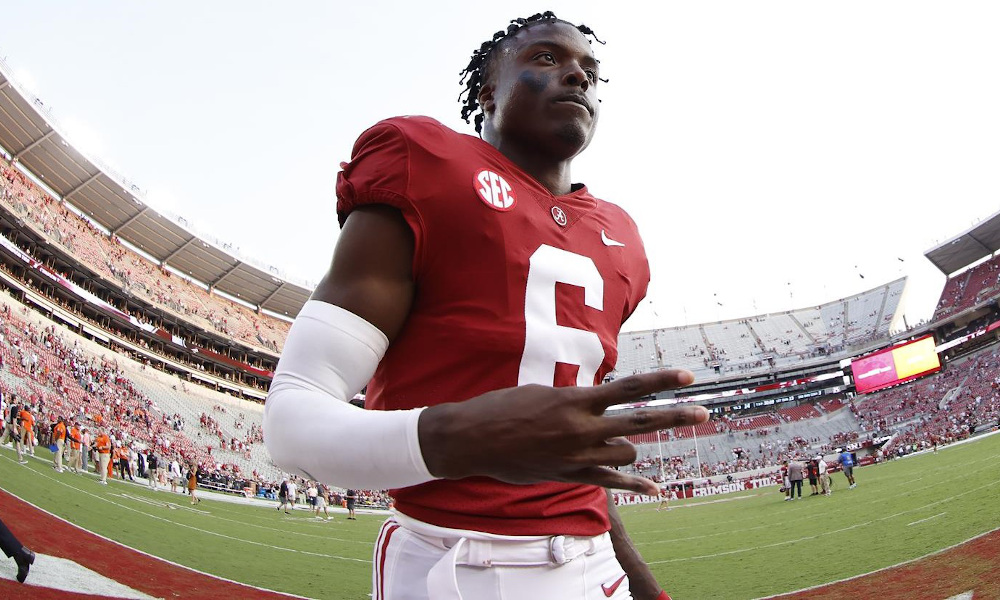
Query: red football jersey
{"points": [[513, 286]]}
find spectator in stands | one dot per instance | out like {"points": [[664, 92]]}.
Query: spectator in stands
{"points": [[22, 556]]}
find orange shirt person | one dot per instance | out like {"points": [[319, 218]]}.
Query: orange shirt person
{"points": [[103, 445], [59, 439], [27, 435], [75, 455]]}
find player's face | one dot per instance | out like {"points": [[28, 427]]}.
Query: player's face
{"points": [[543, 91]]}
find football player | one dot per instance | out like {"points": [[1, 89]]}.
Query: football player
{"points": [[478, 292]]}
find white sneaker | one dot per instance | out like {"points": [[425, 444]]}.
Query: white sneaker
{"points": [[852, 486]]}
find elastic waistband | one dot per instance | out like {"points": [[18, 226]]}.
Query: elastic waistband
{"points": [[483, 550]]}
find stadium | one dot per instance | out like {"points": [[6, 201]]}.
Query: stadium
{"points": [[115, 314]]}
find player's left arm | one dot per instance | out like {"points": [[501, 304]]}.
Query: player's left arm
{"points": [[641, 582]]}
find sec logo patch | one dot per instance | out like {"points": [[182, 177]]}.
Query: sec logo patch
{"points": [[494, 190]]}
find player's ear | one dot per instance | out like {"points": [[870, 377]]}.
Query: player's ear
{"points": [[486, 98]]}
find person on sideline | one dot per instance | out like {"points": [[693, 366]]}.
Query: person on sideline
{"points": [[322, 493], [283, 496], [846, 461], [59, 439], [795, 475], [666, 495], [352, 501], [102, 443], [192, 483], [824, 474], [176, 479], [152, 469], [26, 433], [473, 276], [75, 437], [85, 450]]}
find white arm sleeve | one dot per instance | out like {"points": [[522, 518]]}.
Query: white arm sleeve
{"points": [[310, 428]]}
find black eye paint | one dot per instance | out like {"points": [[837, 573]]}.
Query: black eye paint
{"points": [[536, 82]]}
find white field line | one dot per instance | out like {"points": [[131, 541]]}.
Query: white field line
{"points": [[927, 519], [823, 534], [202, 531], [136, 550], [895, 566], [807, 517], [287, 532], [160, 504]]}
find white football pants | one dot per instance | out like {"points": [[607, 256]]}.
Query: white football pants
{"points": [[418, 561]]}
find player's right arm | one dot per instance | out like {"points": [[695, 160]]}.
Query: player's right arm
{"points": [[520, 435]]}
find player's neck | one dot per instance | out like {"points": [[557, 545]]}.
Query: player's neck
{"points": [[552, 173]]}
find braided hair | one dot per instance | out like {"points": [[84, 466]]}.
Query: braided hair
{"points": [[478, 69]]}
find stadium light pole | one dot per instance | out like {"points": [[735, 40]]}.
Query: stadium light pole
{"points": [[659, 445], [697, 455]]}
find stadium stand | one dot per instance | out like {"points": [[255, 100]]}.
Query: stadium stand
{"points": [[766, 343], [969, 289], [107, 256], [49, 366], [939, 409]]}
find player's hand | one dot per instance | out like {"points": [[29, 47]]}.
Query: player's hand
{"points": [[535, 433]]}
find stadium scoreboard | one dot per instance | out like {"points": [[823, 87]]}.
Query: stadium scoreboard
{"points": [[898, 364]]}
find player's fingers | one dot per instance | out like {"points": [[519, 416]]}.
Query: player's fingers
{"points": [[633, 387], [609, 478], [651, 419], [615, 452]]}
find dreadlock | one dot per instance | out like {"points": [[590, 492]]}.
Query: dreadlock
{"points": [[478, 70]]}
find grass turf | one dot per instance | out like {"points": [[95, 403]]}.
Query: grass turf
{"points": [[742, 545]]}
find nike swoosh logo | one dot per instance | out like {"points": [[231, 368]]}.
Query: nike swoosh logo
{"points": [[609, 590], [608, 241]]}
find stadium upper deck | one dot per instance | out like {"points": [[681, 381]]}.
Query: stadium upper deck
{"points": [[765, 343], [32, 138]]}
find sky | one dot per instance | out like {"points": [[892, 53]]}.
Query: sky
{"points": [[775, 155]]}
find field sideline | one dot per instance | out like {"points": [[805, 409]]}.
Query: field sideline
{"points": [[743, 545]]}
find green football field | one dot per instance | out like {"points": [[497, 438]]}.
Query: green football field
{"points": [[742, 545]]}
